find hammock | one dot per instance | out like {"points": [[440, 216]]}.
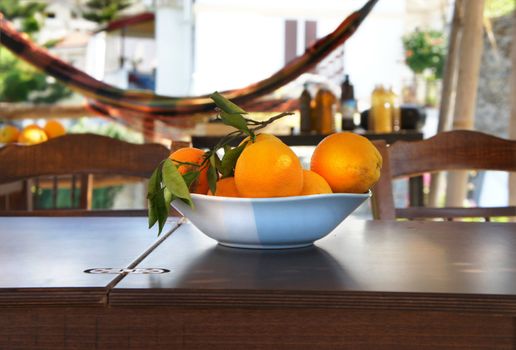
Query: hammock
{"points": [[114, 102]]}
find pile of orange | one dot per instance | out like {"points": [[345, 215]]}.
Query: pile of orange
{"points": [[31, 134], [343, 162]]}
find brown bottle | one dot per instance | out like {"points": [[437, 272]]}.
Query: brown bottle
{"points": [[325, 105], [305, 110], [348, 104]]}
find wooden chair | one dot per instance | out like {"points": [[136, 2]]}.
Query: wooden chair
{"points": [[453, 150], [72, 161]]}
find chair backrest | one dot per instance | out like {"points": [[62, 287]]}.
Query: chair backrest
{"points": [[79, 156], [452, 150]]}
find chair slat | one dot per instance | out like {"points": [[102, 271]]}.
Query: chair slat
{"points": [[382, 201], [451, 213], [55, 188], [73, 188], [35, 193], [86, 192], [79, 155], [75, 212], [453, 150]]}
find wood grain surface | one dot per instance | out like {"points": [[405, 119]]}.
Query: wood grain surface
{"points": [[250, 328], [76, 213], [368, 285], [43, 259], [487, 213], [452, 150], [77, 157], [448, 266], [79, 153]]}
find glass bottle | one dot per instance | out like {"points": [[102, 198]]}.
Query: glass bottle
{"points": [[325, 102], [380, 116], [348, 104], [305, 110], [395, 110]]}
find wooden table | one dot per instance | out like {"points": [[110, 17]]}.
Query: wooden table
{"points": [[367, 285]]}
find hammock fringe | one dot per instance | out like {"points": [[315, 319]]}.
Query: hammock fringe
{"points": [[107, 99]]}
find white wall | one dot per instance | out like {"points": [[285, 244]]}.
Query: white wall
{"points": [[238, 42], [174, 55], [235, 49], [374, 54], [96, 55]]}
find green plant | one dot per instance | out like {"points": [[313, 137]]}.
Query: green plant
{"points": [[425, 50], [29, 14], [104, 11], [497, 8], [19, 82]]}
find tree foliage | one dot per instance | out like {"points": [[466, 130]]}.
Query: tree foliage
{"points": [[28, 13], [497, 8], [425, 50], [20, 82], [104, 11]]}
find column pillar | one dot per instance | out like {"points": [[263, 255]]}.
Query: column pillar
{"points": [[174, 47]]}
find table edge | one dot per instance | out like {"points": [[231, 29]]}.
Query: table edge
{"points": [[469, 303], [54, 296]]}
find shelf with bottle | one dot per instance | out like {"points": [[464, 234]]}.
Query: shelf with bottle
{"points": [[317, 114], [384, 115], [348, 106]]}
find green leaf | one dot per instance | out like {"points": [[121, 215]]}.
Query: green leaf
{"points": [[212, 173], [175, 182], [190, 177], [161, 209], [225, 104], [153, 188], [213, 160], [168, 197], [154, 184], [218, 162], [159, 200], [227, 167], [235, 120], [152, 213]]}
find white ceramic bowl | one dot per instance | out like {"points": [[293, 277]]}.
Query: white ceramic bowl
{"points": [[269, 223]]}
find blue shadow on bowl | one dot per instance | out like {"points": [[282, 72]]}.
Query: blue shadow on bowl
{"points": [[269, 223]]}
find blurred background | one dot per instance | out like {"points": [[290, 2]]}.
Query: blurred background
{"points": [[194, 47]]}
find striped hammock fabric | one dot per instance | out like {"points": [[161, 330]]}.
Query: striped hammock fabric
{"points": [[112, 101]]}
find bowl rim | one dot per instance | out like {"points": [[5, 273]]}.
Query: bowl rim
{"points": [[206, 197]]}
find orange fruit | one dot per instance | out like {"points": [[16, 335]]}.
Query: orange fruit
{"points": [[226, 188], [314, 183], [349, 162], [32, 126], [196, 156], [53, 128], [32, 135], [268, 169], [9, 134], [259, 137]]}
